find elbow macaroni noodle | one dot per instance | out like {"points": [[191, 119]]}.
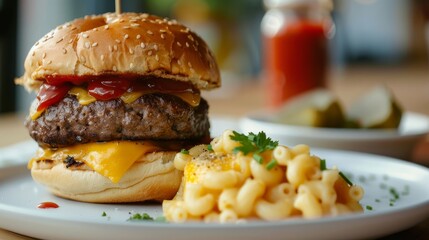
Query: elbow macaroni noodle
{"points": [[225, 185]]}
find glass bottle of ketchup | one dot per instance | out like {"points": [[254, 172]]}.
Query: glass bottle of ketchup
{"points": [[295, 47]]}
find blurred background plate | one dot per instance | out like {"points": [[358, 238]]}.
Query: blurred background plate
{"points": [[395, 143]]}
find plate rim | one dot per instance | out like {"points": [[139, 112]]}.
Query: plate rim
{"points": [[256, 118]]}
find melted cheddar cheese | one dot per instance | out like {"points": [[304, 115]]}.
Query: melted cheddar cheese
{"points": [[82, 95], [196, 169], [110, 159]]}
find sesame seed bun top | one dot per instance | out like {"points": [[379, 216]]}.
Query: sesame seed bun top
{"points": [[128, 43]]}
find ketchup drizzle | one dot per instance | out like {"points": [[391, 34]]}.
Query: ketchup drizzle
{"points": [[45, 205], [106, 87]]}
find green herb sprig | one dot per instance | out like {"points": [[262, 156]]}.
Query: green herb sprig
{"points": [[210, 148], [323, 167], [146, 217], [256, 143]]}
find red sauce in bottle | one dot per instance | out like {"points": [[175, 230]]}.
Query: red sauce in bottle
{"points": [[45, 205], [295, 60], [295, 48]]}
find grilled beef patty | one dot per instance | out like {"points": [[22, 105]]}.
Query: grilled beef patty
{"points": [[151, 117]]}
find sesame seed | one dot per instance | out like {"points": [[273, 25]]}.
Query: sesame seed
{"points": [[156, 57], [114, 68], [60, 27], [102, 57], [82, 59], [143, 20], [135, 25], [44, 55], [34, 53], [179, 62], [85, 35], [68, 25], [126, 27], [138, 36], [162, 30], [110, 48], [64, 50], [131, 51], [115, 47], [144, 15], [131, 65], [87, 45], [189, 64], [187, 44], [117, 41], [152, 21], [126, 36], [122, 20], [95, 44], [142, 45], [71, 40], [155, 46], [74, 28], [149, 32], [162, 36], [149, 53], [37, 43], [49, 62], [191, 38], [179, 44], [106, 27], [133, 20]]}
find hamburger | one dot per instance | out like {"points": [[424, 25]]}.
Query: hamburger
{"points": [[118, 95]]}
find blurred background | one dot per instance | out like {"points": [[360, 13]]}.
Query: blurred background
{"points": [[372, 36]]}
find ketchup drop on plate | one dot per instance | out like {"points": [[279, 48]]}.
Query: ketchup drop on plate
{"points": [[45, 205]]}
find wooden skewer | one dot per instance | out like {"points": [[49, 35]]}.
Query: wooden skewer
{"points": [[118, 6]]}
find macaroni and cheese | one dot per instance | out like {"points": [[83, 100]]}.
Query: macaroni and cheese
{"points": [[240, 177]]}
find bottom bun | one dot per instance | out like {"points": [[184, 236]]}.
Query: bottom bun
{"points": [[153, 177]]}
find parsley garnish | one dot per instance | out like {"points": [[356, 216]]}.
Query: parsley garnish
{"points": [[210, 148], [184, 151], [140, 217], [322, 164], [253, 143], [394, 193], [258, 158], [146, 217], [368, 207], [323, 167], [346, 179], [104, 214], [271, 164]]}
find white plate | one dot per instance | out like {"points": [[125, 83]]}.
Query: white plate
{"points": [[19, 196], [394, 143]]}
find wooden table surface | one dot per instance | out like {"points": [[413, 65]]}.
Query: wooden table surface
{"points": [[238, 97]]}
